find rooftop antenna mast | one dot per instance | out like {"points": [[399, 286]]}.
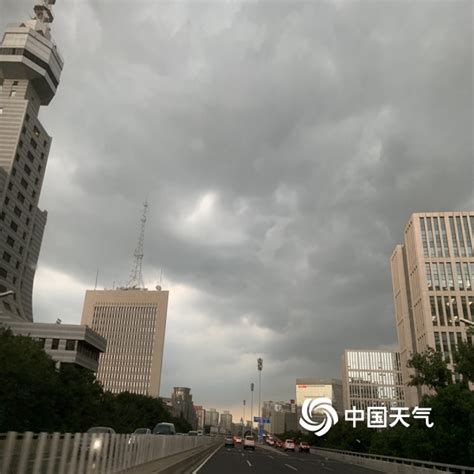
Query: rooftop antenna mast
{"points": [[136, 277]]}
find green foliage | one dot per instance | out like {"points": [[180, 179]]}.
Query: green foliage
{"points": [[464, 361], [34, 396], [28, 384], [431, 370]]}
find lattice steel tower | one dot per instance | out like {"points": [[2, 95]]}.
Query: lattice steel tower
{"points": [[136, 278]]}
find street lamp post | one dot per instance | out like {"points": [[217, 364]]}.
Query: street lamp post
{"points": [[243, 422], [259, 367], [251, 407]]}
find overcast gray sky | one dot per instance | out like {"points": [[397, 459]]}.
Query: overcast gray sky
{"points": [[283, 147]]}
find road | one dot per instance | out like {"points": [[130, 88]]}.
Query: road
{"points": [[264, 461]]}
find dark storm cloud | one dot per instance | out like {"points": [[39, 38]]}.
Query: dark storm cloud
{"points": [[283, 147]]}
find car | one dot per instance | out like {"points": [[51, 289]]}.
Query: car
{"points": [[192, 433], [249, 442], [270, 442], [289, 445], [138, 432], [229, 441], [95, 442], [237, 439], [304, 447], [164, 429]]}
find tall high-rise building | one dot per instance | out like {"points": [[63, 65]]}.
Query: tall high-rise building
{"points": [[30, 68], [432, 275], [212, 417], [182, 403], [201, 416], [371, 378], [226, 421], [133, 322]]}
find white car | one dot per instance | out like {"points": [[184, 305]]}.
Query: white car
{"points": [[249, 442], [289, 445]]}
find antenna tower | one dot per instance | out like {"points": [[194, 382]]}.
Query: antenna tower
{"points": [[136, 277]]}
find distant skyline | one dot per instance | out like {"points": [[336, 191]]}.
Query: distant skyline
{"points": [[282, 146]]}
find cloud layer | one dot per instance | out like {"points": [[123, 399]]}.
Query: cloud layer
{"points": [[282, 146]]}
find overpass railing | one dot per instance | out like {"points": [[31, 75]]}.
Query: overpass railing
{"points": [[83, 453], [391, 463]]}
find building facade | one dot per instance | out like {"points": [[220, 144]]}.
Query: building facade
{"points": [[226, 421], [371, 378], [182, 405], [30, 68], [212, 418], [318, 387], [432, 275], [200, 416], [64, 343], [133, 321]]}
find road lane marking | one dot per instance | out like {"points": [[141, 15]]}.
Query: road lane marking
{"points": [[291, 467], [205, 461], [249, 463]]}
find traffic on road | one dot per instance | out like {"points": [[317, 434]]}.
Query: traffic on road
{"points": [[268, 460]]}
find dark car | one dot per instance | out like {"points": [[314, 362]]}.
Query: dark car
{"points": [[96, 439], [164, 429], [229, 441], [304, 447]]}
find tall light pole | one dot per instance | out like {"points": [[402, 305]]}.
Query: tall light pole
{"points": [[243, 422], [259, 367], [251, 407]]}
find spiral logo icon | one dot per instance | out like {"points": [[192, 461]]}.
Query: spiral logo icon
{"points": [[324, 406]]}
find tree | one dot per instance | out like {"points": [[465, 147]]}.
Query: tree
{"points": [[464, 359], [28, 385], [431, 370]]}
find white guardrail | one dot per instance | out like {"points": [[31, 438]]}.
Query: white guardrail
{"points": [[391, 463], [82, 453]]}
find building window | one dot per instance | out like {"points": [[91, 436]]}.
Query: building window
{"points": [[36, 131], [41, 342], [6, 256], [24, 183], [14, 225], [7, 306], [13, 171], [2, 216], [10, 186], [27, 169], [33, 194], [23, 130], [3, 274], [45, 144], [36, 180], [17, 266], [10, 241], [27, 221], [21, 250], [55, 344], [27, 117], [13, 93], [20, 197], [39, 168], [33, 144], [42, 155], [70, 345], [30, 156], [7, 201], [24, 236], [17, 211], [17, 157]]}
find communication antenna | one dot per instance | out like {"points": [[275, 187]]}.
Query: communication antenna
{"points": [[136, 278]]}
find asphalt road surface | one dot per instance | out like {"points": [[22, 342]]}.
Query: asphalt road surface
{"points": [[263, 461]]}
